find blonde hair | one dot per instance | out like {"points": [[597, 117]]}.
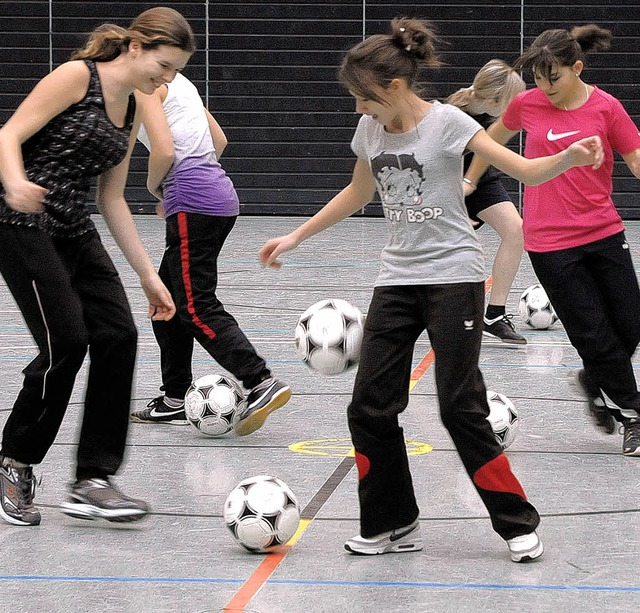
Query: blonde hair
{"points": [[377, 60], [153, 28], [496, 80]]}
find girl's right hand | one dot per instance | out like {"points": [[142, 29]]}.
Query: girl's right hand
{"points": [[275, 247], [26, 197]]}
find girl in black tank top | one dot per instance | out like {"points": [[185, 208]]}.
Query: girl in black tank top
{"points": [[79, 123]]}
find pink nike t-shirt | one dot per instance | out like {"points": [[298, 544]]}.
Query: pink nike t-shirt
{"points": [[575, 208]]}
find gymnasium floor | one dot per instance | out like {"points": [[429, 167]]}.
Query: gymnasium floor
{"points": [[182, 559]]}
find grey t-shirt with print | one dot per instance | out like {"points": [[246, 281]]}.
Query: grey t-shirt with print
{"points": [[419, 179]]}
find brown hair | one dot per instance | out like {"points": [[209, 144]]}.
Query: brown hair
{"points": [[152, 28], [377, 60], [496, 80], [559, 47]]}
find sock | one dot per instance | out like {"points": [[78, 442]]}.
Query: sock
{"points": [[173, 403], [13, 463], [494, 311]]}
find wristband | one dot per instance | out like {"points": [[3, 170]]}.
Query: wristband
{"points": [[470, 182]]}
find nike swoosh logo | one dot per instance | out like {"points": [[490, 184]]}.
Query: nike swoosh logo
{"points": [[154, 413], [398, 535], [551, 136]]}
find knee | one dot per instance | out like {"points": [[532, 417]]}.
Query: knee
{"points": [[124, 337], [514, 235], [70, 346]]}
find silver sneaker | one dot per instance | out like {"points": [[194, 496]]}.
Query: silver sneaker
{"points": [[99, 499], [400, 540], [17, 490]]}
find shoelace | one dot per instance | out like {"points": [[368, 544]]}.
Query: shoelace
{"points": [[506, 318], [153, 404], [27, 485], [631, 431]]}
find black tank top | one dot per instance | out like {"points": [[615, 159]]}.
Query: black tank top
{"points": [[74, 147]]}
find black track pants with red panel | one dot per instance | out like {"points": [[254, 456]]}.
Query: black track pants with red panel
{"points": [[189, 269], [453, 317], [71, 298]]}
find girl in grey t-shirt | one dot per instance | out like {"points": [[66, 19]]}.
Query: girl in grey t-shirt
{"points": [[432, 277]]}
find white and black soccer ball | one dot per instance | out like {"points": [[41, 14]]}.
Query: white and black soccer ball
{"points": [[261, 512], [328, 336], [503, 417], [535, 308], [213, 404]]}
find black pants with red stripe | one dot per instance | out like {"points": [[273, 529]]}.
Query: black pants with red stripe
{"points": [[453, 317], [71, 298], [189, 269]]}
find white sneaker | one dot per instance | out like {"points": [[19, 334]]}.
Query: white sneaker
{"points": [[526, 547], [399, 540]]}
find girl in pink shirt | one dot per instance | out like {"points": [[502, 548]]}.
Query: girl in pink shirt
{"points": [[572, 230]]}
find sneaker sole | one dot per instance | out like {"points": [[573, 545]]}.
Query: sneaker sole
{"points": [[506, 341], [91, 512], [17, 522], [256, 420], [391, 548], [166, 422], [528, 556], [631, 454]]}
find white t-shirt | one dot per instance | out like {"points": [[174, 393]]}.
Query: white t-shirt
{"points": [[196, 182], [419, 178]]}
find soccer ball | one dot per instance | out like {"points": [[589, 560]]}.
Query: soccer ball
{"points": [[328, 336], [535, 308], [213, 404], [261, 513], [503, 418]]}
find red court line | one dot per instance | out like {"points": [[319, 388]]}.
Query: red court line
{"points": [[271, 561], [257, 580]]}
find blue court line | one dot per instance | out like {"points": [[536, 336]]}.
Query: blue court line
{"points": [[418, 584]]}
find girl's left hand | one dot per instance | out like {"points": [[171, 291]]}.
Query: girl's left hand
{"points": [[161, 306]]}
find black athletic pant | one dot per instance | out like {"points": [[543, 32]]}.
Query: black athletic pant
{"points": [[594, 291], [189, 268], [453, 317], [71, 298]]}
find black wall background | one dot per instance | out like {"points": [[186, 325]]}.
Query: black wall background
{"points": [[267, 71]]}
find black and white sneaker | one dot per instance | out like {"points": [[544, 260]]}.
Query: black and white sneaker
{"points": [[400, 540], [262, 400], [503, 329], [159, 412], [601, 416], [631, 437], [99, 499]]}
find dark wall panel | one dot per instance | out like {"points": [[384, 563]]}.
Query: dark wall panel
{"points": [[268, 73]]}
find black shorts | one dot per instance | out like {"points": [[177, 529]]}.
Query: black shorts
{"points": [[488, 193]]}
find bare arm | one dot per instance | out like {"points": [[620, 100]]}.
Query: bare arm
{"points": [[63, 87], [585, 152], [633, 162], [162, 152], [113, 206], [353, 197], [217, 134]]}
